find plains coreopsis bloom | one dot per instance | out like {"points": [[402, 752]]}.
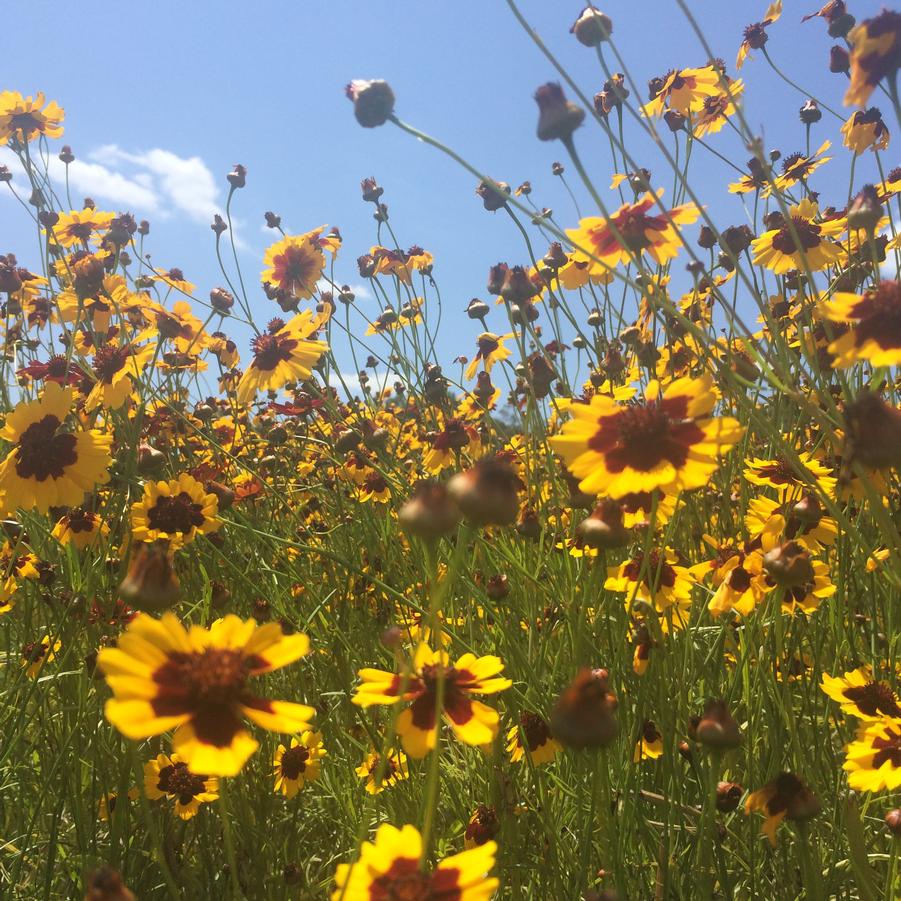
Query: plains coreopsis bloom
{"points": [[683, 90], [873, 759], [294, 264], [168, 776], [79, 226], [865, 129], [382, 773], [48, 465], [798, 166], [875, 54], [164, 676], [532, 740], [862, 696], [80, 528], [799, 242], [491, 350], [116, 368], [36, 653], [284, 352], [755, 35], [391, 868], [875, 320], [669, 440], [657, 578], [26, 117], [785, 797], [631, 231], [176, 511], [299, 763], [473, 722]]}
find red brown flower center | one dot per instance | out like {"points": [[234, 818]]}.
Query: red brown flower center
{"points": [[41, 453], [808, 236], [177, 779], [879, 312], [888, 749], [216, 676], [176, 513], [873, 699], [34, 651], [80, 520], [294, 762], [270, 350], [657, 574], [108, 360], [536, 730]]}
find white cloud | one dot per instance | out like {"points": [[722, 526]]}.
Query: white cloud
{"points": [[360, 291]]}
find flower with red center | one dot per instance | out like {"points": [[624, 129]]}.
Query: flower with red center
{"points": [[49, 466], [873, 759], [799, 242], [875, 54], [531, 740], [789, 479], [631, 231], [116, 369], [197, 681], [717, 108], [491, 350], [473, 722], [798, 167], [875, 319], [23, 117], [36, 653], [294, 264], [683, 90], [176, 511], [446, 447], [668, 441], [299, 763], [755, 36], [382, 773], [281, 354], [175, 279], [168, 776], [771, 523], [392, 869], [650, 743], [785, 797], [80, 528], [807, 596], [865, 129], [79, 226], [657, 579], [861, 695]]}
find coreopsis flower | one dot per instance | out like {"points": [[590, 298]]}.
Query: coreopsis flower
{"points": [[875, 54], [770, 523], [299, 763], [799, 243], [483, 826], [473, 722], [80, 528], [798, 167], [48, 465], [755, 35], [740, 584], [630, 232], [683, 90], [717, 108], [168, 776], [294, 264], [116, 368], [392, 867], [656, 578], [491, 350], [381, 773], [650, 743], [755, 180], [785, 797], [807, 596], [175, 280], [80, 226], [861, 695], [25, 118], [109, 801], [790, 480], [875, 320], [668, 440], [197, 682], [284, 352], [177, 511], [532, 741], [873, 759], [37, 653], [865, 129]]}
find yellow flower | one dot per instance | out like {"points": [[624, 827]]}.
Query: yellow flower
{"points": [[875, 54], [176, 511], [196, 681], [491, 350], [22, 117], [298, 764], [539, 746], [861, 695], [799, 243], [875, 320], [873, 759], [36, 653], [392, 867], [667, 441], [294, 264], [79, 226], [47, 466], [865, 129], [393, 770], [169, 777]]}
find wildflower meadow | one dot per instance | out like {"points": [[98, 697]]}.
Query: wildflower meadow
{"points": [[318, 582]]}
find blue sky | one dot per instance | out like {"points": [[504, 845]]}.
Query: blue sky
{"points": [[163, 98]]}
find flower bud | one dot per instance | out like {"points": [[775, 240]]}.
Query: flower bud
{"points": [[477, 309], [728, 794], [105, 884], [604, 529], [873, 432], [429, 513], [585, 713], [373, 101], [788, 565], [592, 27], [237, 178], [151, 583], [486, 493], [810, 113], [221, 300], [557, 117], [893, 822], [839, 60], [865, 210], [492, 195], [716, 728]]}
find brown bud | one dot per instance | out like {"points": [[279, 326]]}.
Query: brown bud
{"points": [[728, 794], [839, 60], [373, 101], [604, 529], [486, 493], [810, 113], [493, 194], [105, 884], [224, 495], [893, 822], [557, 117], [221, 300], [497, 587], [66, 154], [865, 210], [585, 714], [149, 459], [717, 728], [592, 27], [429, 513], [873, 432], [237, 178], [151, 583], [788, 565]]}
